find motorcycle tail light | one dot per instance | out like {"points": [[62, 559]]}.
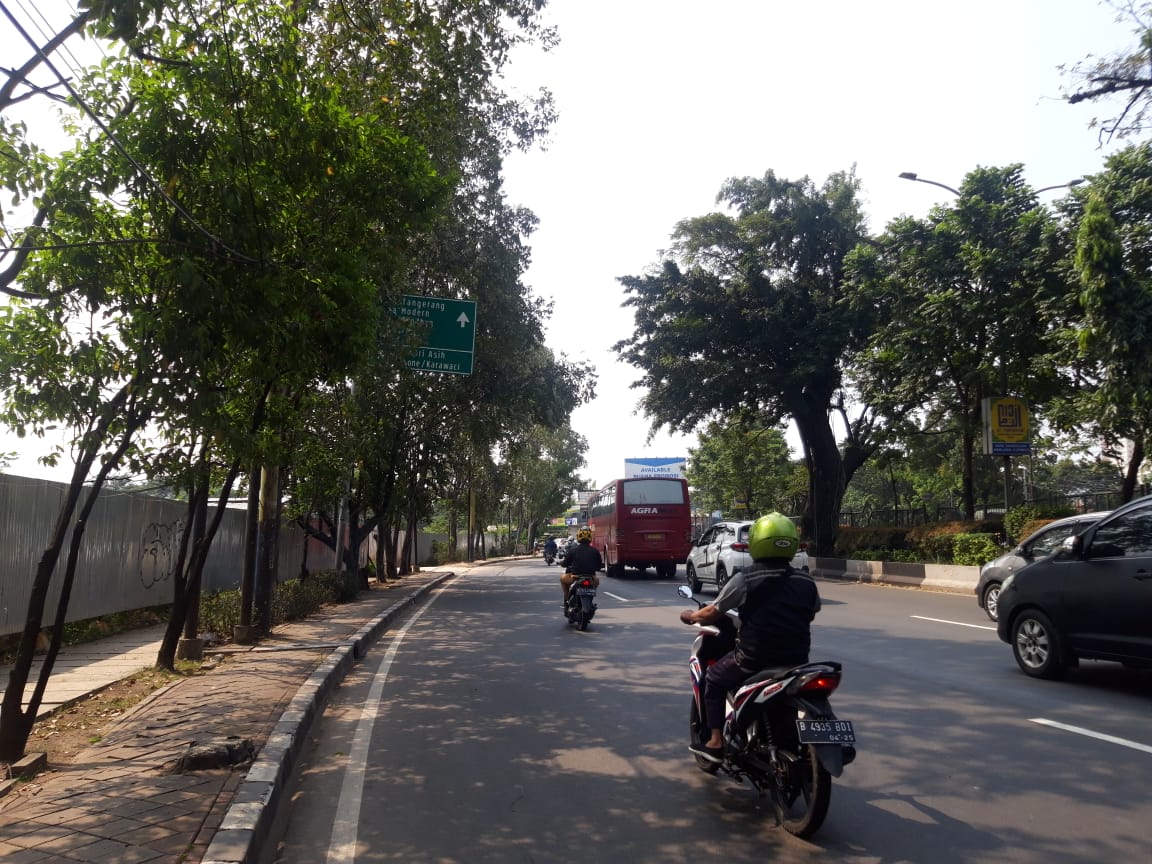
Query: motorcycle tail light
{"points": [[586, 583], [821, 684]]}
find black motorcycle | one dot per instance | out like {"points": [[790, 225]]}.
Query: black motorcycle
{"points": [[549, 557], [581, 605], [780, 733]]}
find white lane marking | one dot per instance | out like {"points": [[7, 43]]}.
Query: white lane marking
{"points": [[342, 846], [616, 597], [1099, 736], [957, 623]]}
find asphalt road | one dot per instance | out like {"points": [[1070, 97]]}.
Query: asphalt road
{"points": [[486, 730]]}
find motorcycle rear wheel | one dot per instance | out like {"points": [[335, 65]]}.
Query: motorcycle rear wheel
{"points": [[805, 790], [696, 735]]}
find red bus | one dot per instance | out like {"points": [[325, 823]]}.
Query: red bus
{"points": [[642, 522]]}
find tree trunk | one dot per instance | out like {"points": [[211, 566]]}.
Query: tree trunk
{"points": [[15, 722], [251, 545], [825, 478], [1132, 472]]}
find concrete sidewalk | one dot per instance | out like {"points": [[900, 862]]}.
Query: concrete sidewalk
{"points": [[144, 793], [83, 669]]}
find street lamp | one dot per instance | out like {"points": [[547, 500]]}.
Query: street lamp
{"points": [[1067, 185], [911, 175]]}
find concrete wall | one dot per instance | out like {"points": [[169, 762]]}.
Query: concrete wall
{"points": [[944, 577]]}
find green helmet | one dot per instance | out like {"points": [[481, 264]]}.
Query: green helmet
{"points": [[773, 536]]}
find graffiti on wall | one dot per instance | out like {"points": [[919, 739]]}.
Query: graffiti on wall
{"points": [[159, 545]]}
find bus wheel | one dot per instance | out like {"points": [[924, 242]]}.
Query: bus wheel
{"points": [[616, 570]]}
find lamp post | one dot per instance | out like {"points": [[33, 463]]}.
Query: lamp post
{"points": [[912, 175]]}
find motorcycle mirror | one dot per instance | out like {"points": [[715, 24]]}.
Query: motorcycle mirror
{"points": [[684, 591]]}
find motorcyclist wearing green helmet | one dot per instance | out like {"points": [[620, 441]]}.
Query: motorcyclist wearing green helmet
{"points": [[776, 603]]}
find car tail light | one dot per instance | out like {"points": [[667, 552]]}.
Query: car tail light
{"points": [[739, 547]]}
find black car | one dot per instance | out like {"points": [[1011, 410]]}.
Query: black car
{"points": [[1039, 544], [1091, 599]]}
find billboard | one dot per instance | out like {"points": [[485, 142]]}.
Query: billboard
{"points": [[659, 466]]}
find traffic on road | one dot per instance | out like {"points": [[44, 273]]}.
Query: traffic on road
{"points": [[486, 729]]}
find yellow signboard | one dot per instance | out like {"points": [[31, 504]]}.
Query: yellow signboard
{"points": [[1006, 426]]}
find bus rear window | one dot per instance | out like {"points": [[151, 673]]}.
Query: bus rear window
{"points": [[653, 492]]}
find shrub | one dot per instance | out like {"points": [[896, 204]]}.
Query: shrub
{"points": [[441, 552], [1018, 519], [974, 549], [849, 541], [291, 600]]}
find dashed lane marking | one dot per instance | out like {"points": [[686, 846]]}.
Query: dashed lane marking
{"points": [[1099, 736], [957, 623]]}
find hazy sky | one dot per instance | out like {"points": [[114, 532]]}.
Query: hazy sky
{"points": [[662, 100]]}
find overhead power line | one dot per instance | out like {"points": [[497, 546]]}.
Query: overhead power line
{"points": [[140, 170]]}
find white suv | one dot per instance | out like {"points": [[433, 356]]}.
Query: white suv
{"points": [[722, 550]]}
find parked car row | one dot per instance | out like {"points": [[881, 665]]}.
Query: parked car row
{"points": [[722, 551]]}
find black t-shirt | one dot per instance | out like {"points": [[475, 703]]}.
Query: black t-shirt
{"points": [[583, 560]]}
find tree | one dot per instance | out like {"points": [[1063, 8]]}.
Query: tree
{"points": [[1113, 260], [748, 313], [1126, 73], [743, 464], [963, 303]]}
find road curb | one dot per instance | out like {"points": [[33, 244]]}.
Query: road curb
{"points": [[247, 826]]}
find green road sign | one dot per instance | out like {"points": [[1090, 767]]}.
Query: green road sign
{"points": [[450, 336]]}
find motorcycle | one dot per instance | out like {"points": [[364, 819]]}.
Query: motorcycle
{"points": [[549, 557], [581, 604], [780, 733]]}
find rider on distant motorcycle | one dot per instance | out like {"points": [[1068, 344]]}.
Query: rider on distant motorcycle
{"points": [[550, 547], [777, 604], [580, 559]]}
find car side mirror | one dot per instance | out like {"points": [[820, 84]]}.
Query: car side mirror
{"points": [[1071, 548]]}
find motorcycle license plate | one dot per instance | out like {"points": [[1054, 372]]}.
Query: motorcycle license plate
{"points": [[591, 591], [826, 731]]}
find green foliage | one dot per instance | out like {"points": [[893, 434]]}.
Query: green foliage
{"points": [[725, 324], [963, 303], [292, 600], [849, 541], [744, 460], [1020, 522], [974, 549]]}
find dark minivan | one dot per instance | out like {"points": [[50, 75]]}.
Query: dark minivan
{"points": [[1091, 599]]}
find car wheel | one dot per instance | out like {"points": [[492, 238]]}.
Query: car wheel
{"points": [[1036, 645], [992, 600], [721, 577], [693, 582]]}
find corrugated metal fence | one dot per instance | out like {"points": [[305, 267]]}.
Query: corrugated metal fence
{"points": [[129, 549]]}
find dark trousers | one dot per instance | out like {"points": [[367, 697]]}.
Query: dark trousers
{"points": [[723, 675]]}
